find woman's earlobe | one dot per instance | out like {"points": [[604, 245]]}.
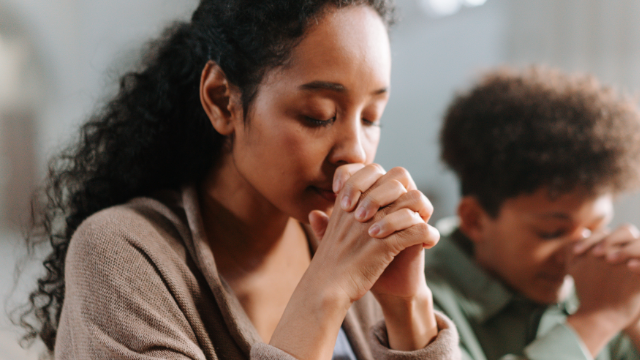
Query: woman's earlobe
{"points": [[216, 96]]}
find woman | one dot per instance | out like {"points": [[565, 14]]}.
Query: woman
{"points": [[184, 198]]}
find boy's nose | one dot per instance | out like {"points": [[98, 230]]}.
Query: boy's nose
{"points": [[579, 234]]}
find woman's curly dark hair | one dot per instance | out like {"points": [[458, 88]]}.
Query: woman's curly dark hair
{"points": [[516, 132], [154, 134]]}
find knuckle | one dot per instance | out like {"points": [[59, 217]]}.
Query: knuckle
{"points": [[419, 232], [400, 172], [348, 188], [421, 228], [369, 201], [434, 238], [622, 233], [414, 196], [407, 213], [398, 186], [394, 244], [377, 168], [427, 204], [632, 230], [626, 227]]}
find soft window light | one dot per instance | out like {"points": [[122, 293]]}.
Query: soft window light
{"points": [[441, 8], [473, 3]]}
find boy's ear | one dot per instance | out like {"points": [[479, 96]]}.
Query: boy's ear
{"points": [[220, 100], [472, 218]]}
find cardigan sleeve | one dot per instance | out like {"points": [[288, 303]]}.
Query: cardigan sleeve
{"points": [[117, 302], [444, 347], [262, 351]]}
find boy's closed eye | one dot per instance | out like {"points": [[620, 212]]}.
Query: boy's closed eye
{"points": [[554, 234]]}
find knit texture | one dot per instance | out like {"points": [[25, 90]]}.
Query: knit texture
{"points": [[141, 283]]}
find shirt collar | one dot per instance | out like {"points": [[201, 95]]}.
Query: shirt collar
{"points": [[483, 295]]}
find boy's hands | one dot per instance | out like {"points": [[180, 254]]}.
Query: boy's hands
{"points": [[605, 268], [620, 246]]}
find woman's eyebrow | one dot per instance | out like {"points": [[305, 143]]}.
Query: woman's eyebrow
{"points": [[337, 87], [323, 85]]}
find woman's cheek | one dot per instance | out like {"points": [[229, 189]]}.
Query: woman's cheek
{"points": [[373, 140]]}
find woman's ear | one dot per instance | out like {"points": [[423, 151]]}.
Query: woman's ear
{"points": [[219, 99], [472, 218]]}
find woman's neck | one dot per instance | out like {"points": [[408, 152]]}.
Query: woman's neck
{"points": [[241, 224], [261, 252]]}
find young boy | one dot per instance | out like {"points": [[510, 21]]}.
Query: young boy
{"points": [[540, 157]]}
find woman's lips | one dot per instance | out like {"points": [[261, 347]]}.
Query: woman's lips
{"points": [[328, 195]]}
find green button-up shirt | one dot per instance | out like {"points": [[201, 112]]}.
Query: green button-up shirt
{"points": [[496, 323]]}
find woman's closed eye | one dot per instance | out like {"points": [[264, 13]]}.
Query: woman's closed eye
{"points": [[371, 123], [319, 122]]}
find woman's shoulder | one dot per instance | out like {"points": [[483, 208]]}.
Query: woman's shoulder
{"points": [[152, 227], [130, 284]]}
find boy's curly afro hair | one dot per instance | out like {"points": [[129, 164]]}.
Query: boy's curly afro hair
{"points": [[516, 132]]}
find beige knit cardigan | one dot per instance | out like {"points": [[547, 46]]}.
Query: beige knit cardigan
{"points": [[141, 283]]}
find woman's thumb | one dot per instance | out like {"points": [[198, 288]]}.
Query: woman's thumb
{"points": [[318, 221]]}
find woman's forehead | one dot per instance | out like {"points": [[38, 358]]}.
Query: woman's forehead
{"points": [[346, 44]]}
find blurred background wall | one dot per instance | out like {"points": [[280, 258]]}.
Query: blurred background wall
{"points": [[60, 58]]}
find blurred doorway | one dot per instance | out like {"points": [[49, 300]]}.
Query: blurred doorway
{"points": [[20, 84]]}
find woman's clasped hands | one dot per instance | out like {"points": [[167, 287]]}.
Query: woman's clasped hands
{"points": [[374, 240]]}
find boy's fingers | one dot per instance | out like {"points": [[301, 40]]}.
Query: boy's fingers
{"points": [[623, 253], [622, 236], [589, 242], [634, 265]]}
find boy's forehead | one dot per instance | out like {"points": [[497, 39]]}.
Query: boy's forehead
{"points": [[571, 206]]}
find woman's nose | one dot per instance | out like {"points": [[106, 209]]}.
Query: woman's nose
{"points": [[349, 147]]}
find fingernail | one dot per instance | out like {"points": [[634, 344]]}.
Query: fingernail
{"points": [[374, 230], [337, 185], [346, 202], [586, 233], [613, 256], [361, 213], [598, 250]]}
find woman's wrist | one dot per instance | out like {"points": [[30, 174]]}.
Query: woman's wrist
{"points": [[311, 321], [411, 322]]}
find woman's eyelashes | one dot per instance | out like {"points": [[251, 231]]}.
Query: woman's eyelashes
{"points": [[370, 123], [319, 122]]}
